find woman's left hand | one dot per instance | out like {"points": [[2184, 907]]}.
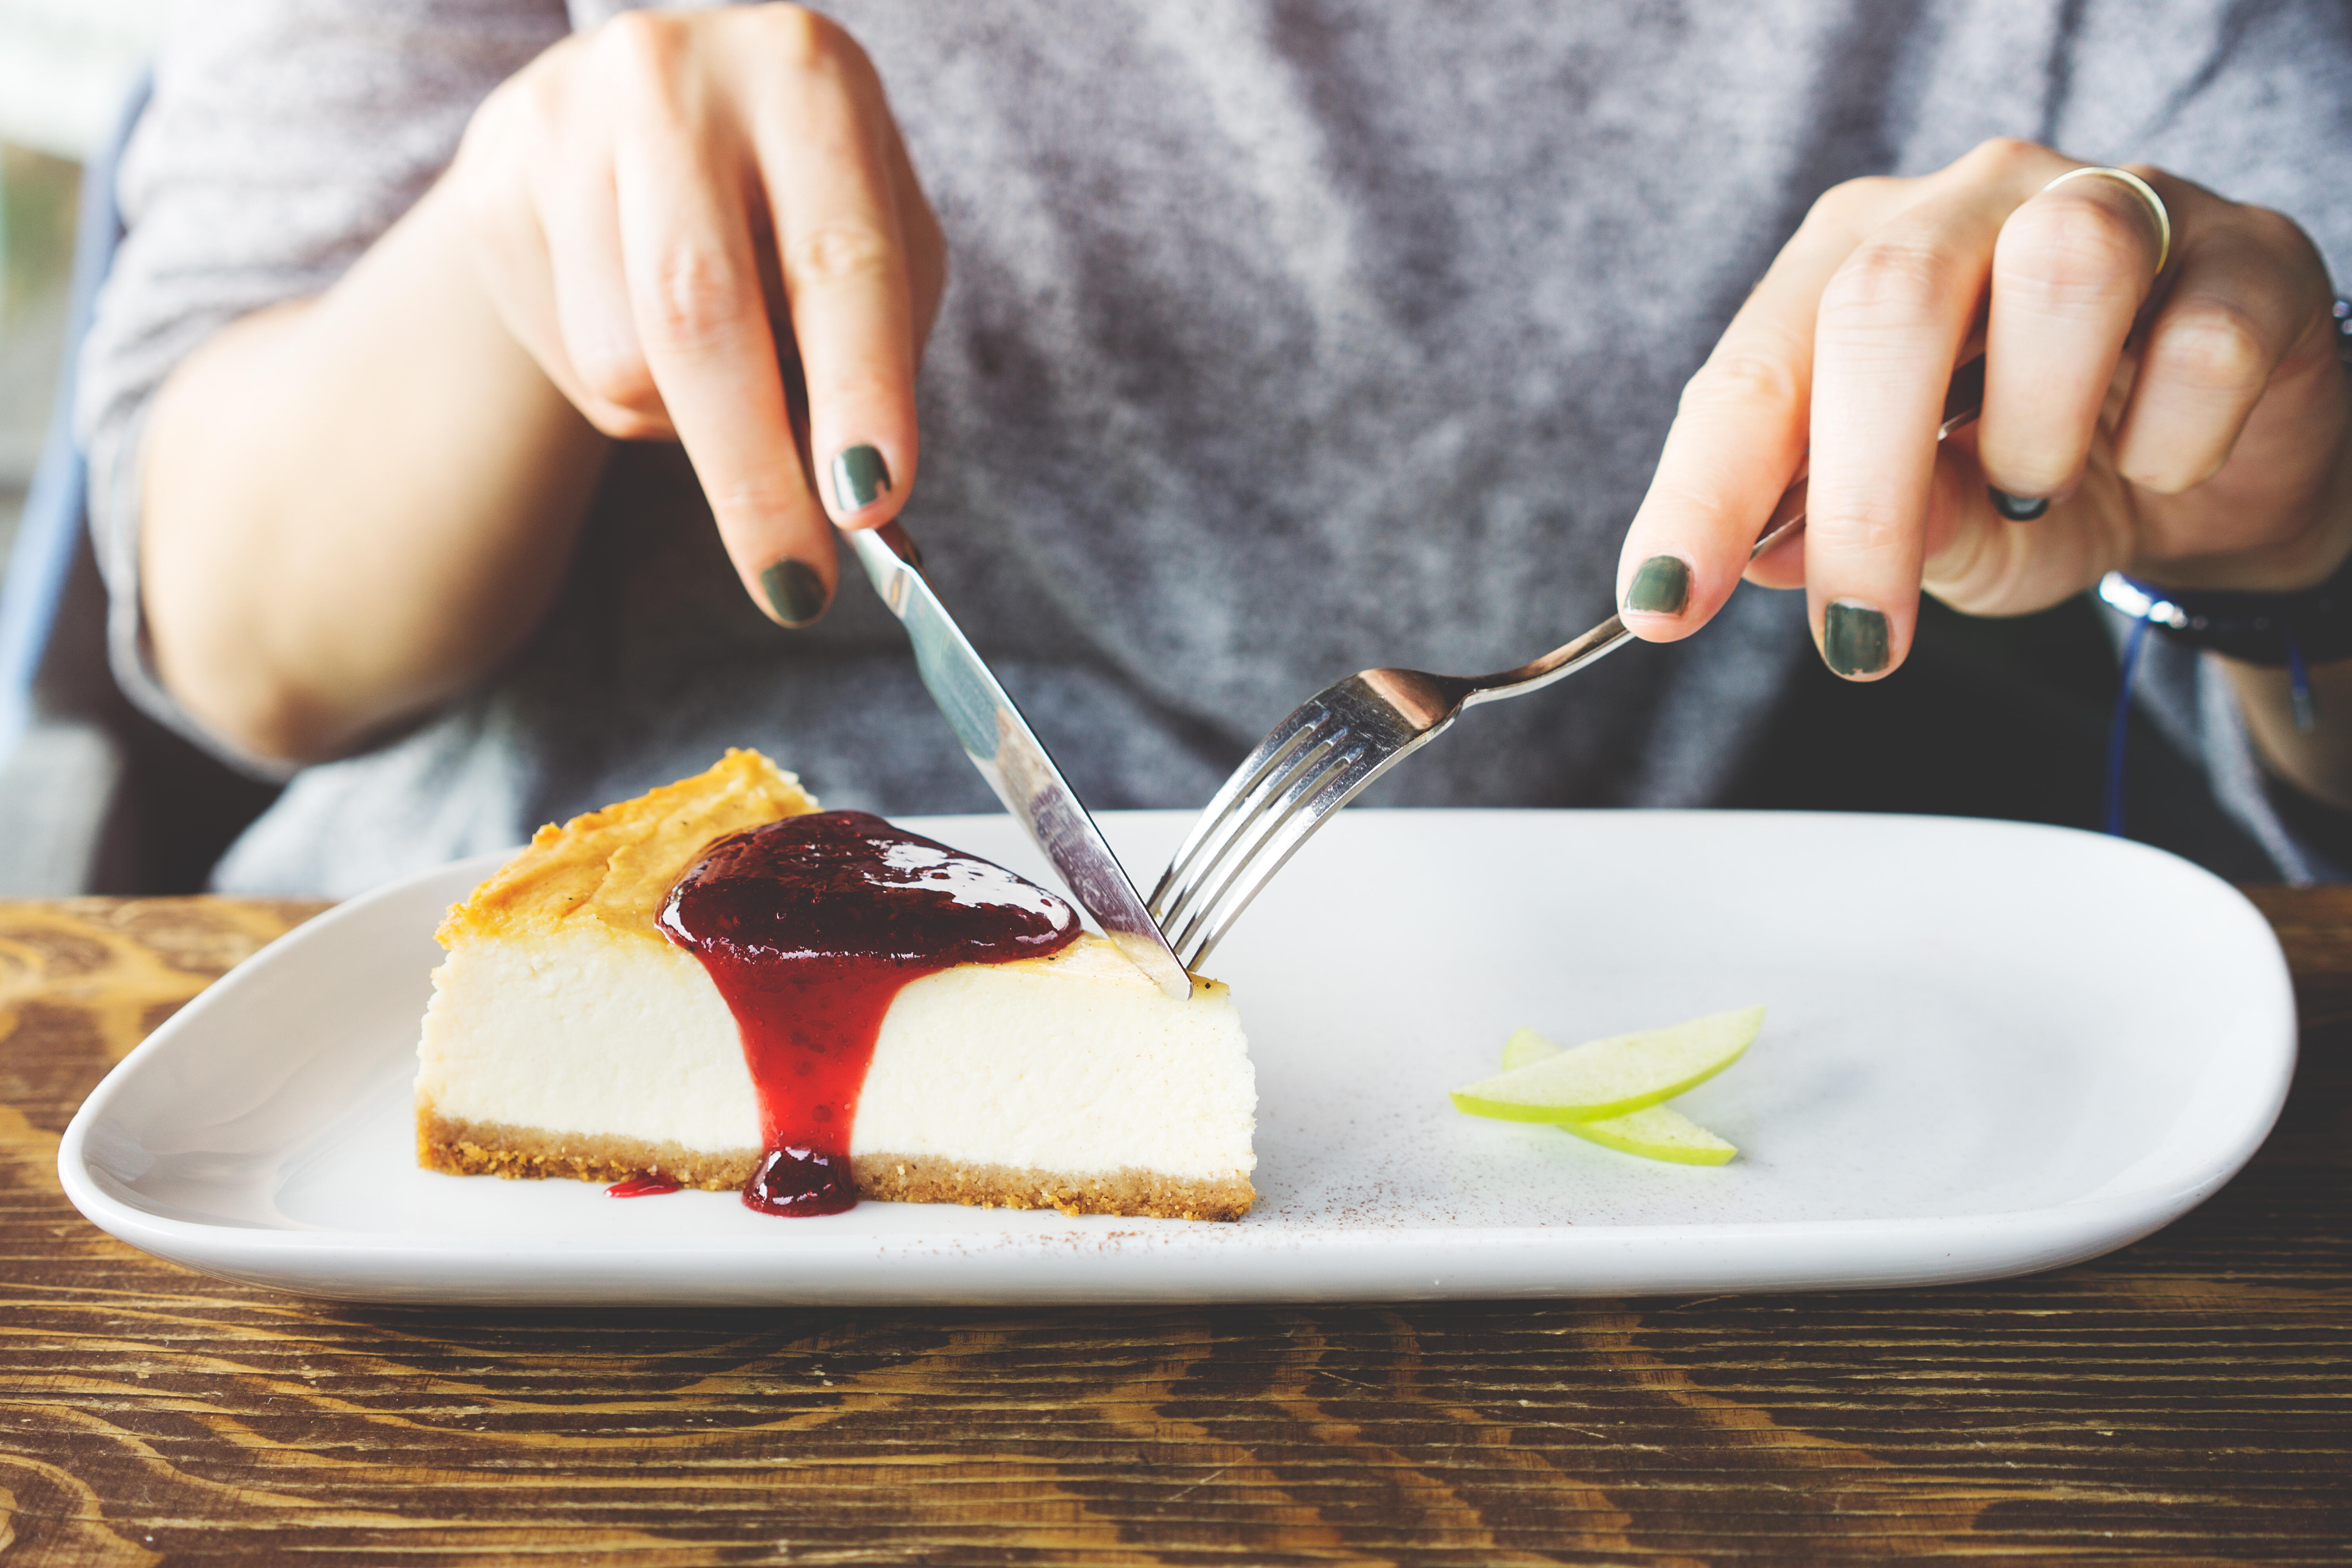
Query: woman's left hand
{"points": [[2210, 448]]}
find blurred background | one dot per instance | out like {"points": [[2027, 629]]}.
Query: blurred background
{"points": [[94, 798], [65, 66]]}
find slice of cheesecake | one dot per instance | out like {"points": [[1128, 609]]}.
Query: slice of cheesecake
{"points": [[570, 1033]]}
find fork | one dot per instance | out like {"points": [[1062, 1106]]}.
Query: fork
{"points": [[1345, 736]]}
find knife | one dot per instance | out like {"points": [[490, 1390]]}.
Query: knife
{"points": [[1010, 758]]}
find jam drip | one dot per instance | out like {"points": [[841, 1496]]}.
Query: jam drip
{"points": [[809, 927], [643, 1185]]}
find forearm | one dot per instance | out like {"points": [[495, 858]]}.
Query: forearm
{"points": [[354, 506]]}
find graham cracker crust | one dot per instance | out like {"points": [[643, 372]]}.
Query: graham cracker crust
{"points": [[532, 1153], [919, 1179], [496, 1149]]}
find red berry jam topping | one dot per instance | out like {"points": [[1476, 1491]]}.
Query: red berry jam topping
{"points": [[809, 927], [643, 1185]]}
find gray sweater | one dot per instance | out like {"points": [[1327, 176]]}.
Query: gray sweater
{"points": [[1284, 337]]}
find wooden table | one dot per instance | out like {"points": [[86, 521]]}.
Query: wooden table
{"points": [[2189, 1399]]}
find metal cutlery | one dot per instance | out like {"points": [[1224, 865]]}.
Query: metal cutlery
{"points": [[1010, 758]]}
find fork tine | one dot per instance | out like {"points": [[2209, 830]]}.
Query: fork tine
{"points": [[1279, 838], [1284, 739], [1261, 773], [1282, 835], [1305, 758], [1302, 783]]}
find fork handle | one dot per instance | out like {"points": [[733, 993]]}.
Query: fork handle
{"points": [[1963, 401]]}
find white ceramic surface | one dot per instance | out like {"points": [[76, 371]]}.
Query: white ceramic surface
{"points": [[1991, 1049]]}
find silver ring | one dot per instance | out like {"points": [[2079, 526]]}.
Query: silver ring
{"points": [[2139, 187]]}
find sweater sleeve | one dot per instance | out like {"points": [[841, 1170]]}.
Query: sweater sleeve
{"points": [[284, 136]]}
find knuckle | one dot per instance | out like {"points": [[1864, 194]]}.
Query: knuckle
{"points": [[864, 385], [540, 122], [2274, 230], [645, 45], [775, 494], [1866, 525], [617, 381], [1705, 500], [2279, 237], [644, 73], [796, 39], [1848, 198], [2168, 473], [2004, 153], [1887, 280], [695, 295], [649, 46], [2211, 345], [837, 253], [2070, 248], [520, 94], [502, 140], [540, 95], [1744, 381], [626, 424]]}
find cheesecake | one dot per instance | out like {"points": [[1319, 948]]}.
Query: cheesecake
{"points": [[718, 984]]}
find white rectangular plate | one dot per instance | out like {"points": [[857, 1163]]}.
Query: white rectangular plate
{"points": [[1991, 1049]]}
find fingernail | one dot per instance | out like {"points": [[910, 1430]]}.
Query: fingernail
{"points": [[1854, 639], [1661, 586], [860, 476], [794, 591], [2017, 508]]}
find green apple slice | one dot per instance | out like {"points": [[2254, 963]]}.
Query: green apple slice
{"points": [[1613, 1077], [1526, 1046], [1654, 1133]]}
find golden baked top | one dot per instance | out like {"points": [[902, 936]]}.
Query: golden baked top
{"points": [[613, 868]]}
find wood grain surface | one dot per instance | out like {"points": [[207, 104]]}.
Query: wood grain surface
{"points": [[2186, 1400]]}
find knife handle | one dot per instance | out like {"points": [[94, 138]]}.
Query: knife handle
{"points": [[901, 544], [890, 558]]}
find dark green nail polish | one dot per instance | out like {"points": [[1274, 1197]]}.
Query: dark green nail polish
{"points": [[794, 591], [859, 477], [1661, 586], [1854, 639], [2017, 508]]}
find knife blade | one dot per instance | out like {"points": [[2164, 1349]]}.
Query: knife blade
{"points": [[1012, 759]]}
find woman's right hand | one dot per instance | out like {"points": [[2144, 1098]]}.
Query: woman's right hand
{"points": [[685, 216]]}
